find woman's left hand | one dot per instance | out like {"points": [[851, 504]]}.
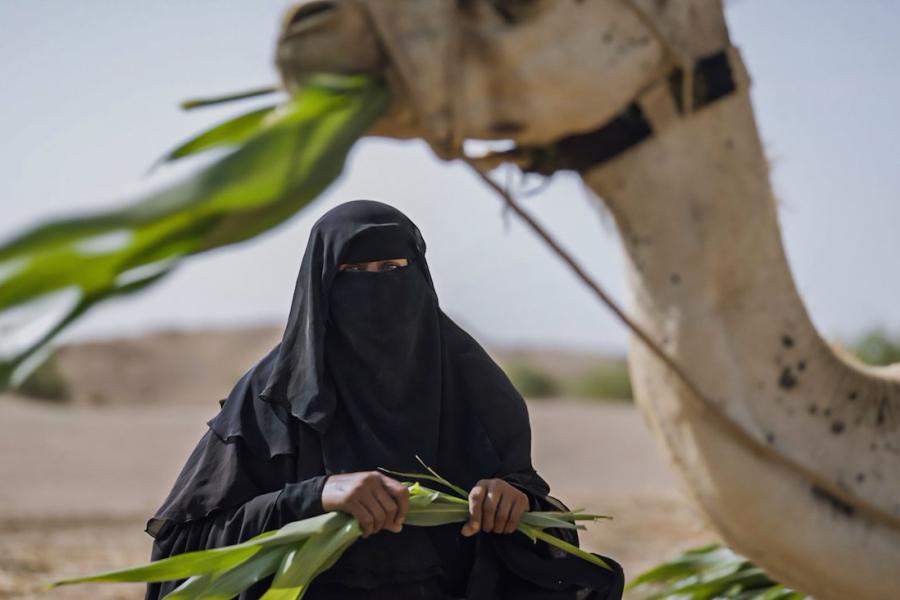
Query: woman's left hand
{"points": [[495, 506]]}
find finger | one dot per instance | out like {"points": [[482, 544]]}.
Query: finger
{"points": [[504, 508], [489, 509], [476, 503], [377, 511], [519, 508], [365, 517], [389, 505], [401, 494]]}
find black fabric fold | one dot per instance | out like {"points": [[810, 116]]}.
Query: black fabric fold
{"points": [[266, 428]]}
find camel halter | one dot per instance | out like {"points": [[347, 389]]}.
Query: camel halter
{"points": [[711, 78], [677, 94]]}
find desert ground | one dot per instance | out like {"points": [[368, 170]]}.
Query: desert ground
{"points": [[78, 478]]}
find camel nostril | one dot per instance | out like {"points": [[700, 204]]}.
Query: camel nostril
{"points": [[310, 13]]}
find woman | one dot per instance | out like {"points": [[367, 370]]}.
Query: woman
{"points": [[371, 373]]}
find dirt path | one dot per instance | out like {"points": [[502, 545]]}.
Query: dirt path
{"points": [[77, 483]]}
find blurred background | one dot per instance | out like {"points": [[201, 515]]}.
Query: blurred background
{"points": [[91, 443]]}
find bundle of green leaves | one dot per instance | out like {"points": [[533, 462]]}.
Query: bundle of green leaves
{"points": [[710, 573], [271, 163], [299, 551]]}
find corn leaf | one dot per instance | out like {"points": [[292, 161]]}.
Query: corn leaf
{"points": [[191, 587], [294, 575], [174, 567], [230, 133], [303, 529], [52, 274], [299, 551], [434, 515], [537, 534], [191, 103], [229, 584], [432, 475], [706, 573]]}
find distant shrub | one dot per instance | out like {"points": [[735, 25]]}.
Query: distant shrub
{"points": [[530, 380], [877, 348], [46, 382], [607, 382]]}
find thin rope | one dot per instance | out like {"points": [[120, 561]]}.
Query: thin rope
{"points": [[700, 400], [589, 281]]}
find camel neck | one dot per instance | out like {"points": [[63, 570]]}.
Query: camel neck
{"points": [[699, 224], [711, 284]]}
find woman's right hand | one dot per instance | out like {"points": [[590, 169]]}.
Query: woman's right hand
{"points": [[374, 499]]}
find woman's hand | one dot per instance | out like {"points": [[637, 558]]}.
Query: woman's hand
{"points": [[495, 506], [375, 500]]}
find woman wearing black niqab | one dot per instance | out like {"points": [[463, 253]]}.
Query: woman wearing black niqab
{"points": [[371, 373]]}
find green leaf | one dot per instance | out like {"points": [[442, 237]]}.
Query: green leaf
{"points": [[175, 567], [688, 564], [190, 588], [192, 103], [437, 515], [306, 528], [462, 495], [563, 520], [232, 582], [230, 133], [217, 560], [536, 534], [299, 551], [711, 572], [55, 272], [300, 567]]}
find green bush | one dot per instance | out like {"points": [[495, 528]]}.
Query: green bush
{"points": [[877, 348], [709, 572], [607, 382], [46, 382], [530, 380]]}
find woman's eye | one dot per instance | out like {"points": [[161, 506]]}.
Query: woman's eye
{"points": [[353, 268], [389, 266]]}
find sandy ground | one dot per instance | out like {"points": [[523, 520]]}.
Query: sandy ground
{"points": [[77, 481]]}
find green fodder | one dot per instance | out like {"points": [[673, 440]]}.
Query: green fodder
{"points": [[707, 573]]}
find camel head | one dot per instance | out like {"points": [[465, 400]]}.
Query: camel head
{"points": [[789, 450], [531, 71]]}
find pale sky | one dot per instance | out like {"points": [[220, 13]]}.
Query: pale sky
{"points": [[89, 101]]}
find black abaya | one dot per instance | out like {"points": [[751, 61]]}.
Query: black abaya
{"points": [[369, 373]]}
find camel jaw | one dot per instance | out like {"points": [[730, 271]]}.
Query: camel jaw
{"points": [[468, 70]]}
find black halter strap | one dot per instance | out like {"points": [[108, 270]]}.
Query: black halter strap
{"points": [[713, 79]]}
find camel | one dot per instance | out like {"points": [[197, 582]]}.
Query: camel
{"points": [[790, 450]]}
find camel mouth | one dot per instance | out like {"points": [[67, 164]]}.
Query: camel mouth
{"points": [[327, 36], [453, 77]]}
